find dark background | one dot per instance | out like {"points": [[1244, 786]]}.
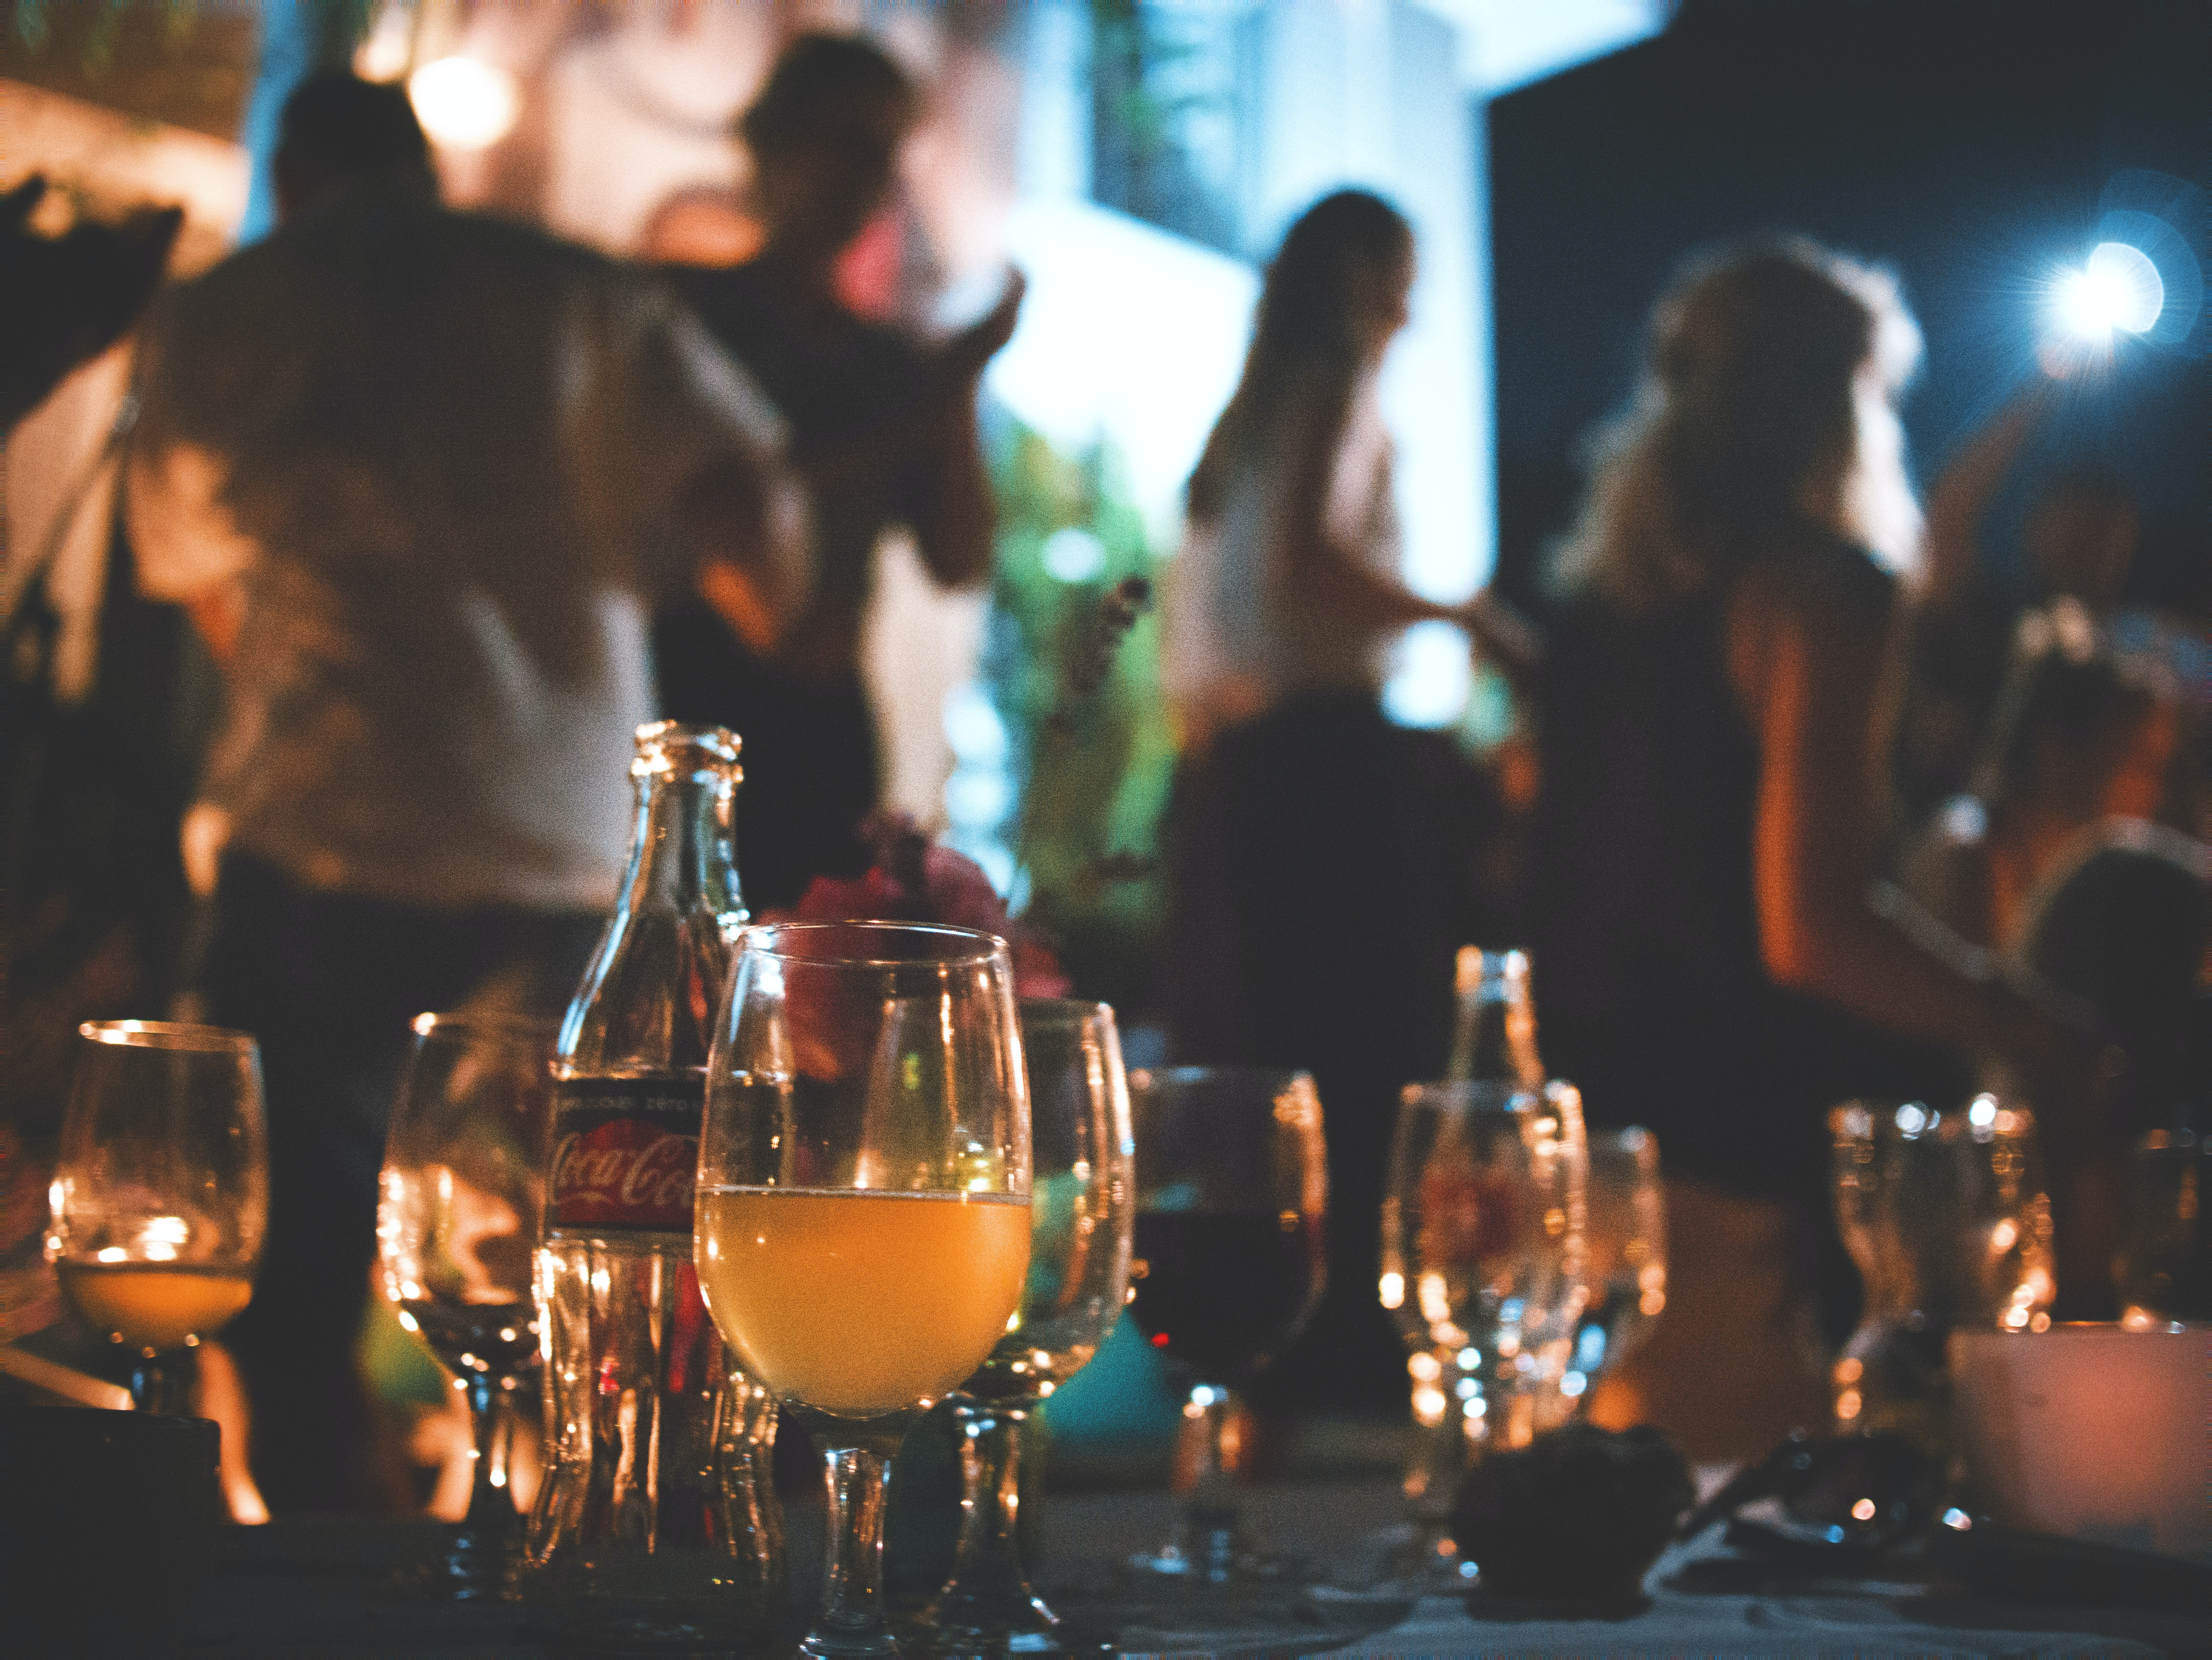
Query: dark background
{"points": [[1965, 143]]}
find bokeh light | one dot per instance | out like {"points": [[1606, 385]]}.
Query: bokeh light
{"points": [[464, 103]]}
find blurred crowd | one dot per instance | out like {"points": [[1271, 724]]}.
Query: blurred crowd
{"points": [[322, 674]]}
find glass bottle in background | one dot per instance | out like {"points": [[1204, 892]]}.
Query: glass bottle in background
{"points": [[657, 1521], [1494, 1053], [1494, 1039]]}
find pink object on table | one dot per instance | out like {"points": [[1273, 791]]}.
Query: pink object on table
{"points": [[2092, 1431]]}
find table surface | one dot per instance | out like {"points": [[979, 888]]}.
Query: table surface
{"points": [[326, 1588]]}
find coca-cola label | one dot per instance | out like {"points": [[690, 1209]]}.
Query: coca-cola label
{"points": [[625, 1152]]}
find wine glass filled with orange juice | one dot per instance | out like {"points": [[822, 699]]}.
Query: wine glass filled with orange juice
{"points": [[161, 1193], [863, 1224]]}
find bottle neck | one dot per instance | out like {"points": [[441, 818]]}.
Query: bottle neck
{"points": [[683, 847], [1495, 1040]]}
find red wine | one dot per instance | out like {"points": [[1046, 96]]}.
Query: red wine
{"points": [[1222, 1292]]}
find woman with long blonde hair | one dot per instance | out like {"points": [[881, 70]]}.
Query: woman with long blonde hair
{"points": [[1713, 958]]}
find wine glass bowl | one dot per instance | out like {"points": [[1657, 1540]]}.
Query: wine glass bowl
{"points": [[1232, 1195], [161, 1192], [461, 1207], [863, 1216], [1082, 1189]]}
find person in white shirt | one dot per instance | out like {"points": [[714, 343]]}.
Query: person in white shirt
{"points": [[422, 478]]}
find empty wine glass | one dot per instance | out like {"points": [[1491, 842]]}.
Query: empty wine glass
{"points": [[161, 1193], [1232, 1195], [1081, 1197], [461, 1205], [1481, 1267], [863, 1216], [1625, 1263]]}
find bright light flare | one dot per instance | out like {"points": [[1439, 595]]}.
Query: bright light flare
{"points": [[464, 103], [2118, 290]]}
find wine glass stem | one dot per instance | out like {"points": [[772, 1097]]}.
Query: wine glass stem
{"points": [[987, 1580], [852, 1618], [491, 1502], [1213, 1507], [150, 1385]]}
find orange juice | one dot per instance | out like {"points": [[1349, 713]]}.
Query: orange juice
{"points": [[861, 1303], [156, 1305]]}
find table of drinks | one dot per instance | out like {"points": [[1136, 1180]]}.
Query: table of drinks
{"points": [[838, 1174]]}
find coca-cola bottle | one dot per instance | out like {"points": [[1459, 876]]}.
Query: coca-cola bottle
{"points": [[656, 1522]]}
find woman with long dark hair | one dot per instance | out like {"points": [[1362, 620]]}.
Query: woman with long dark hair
{"points": [[1326, 861]]}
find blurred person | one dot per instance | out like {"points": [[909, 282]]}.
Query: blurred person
{"points": [[420, 478], [703, 225], [2080, 736], [1326, 863], [2078, 540], [98, 716], [71, 296], [883, 432], [1711, 958]]}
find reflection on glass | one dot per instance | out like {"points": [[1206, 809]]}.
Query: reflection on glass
{"points": [[462, 1207], [161, 1192]]}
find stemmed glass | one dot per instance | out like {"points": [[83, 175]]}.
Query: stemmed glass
{"points": [[863, 1219], [1080, 1212], [462, 1203], [160, 1194], [1625, 1263], [1481, 1265], [1232, 1193]]}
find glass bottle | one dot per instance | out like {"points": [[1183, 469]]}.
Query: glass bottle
{"points": [[1494, 1039], [657, 1521]]}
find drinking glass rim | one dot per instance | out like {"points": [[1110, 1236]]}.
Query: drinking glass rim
{"points": [[1458, 1093], [500, 1021], [986, 947], [168, 1035], [1280, 1078], [1074, 1010]]}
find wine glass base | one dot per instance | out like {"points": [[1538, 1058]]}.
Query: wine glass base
{"points": [[1019, 1625], [1419, 1557], [1215, 1555], [843, 1645]]}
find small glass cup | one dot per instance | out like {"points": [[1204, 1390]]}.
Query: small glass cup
{"points": [[160, 1194]]}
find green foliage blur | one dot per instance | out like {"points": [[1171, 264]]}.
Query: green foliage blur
{"points": [[1091, 771]]}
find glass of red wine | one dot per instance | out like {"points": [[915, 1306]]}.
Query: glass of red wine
{"points": [[1232, 1192]]}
